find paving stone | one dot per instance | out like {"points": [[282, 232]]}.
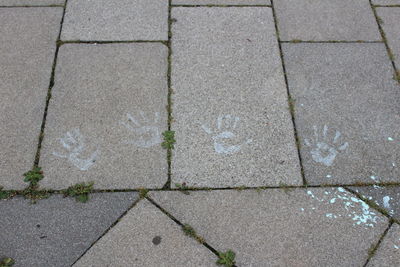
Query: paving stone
{"points": [[390, 23], [147, 237], [57, 230], [112, 20], [386, 2], [106, 116], [324, 20], [388, 253], [314, 227], [30, 3], [387, 197], [221, 2], [27, 47], [232, 122], [347, 112]]}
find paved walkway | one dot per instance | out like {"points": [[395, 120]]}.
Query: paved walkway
{"points": [[200, 132]]}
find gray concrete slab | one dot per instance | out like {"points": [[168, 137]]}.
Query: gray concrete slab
{"points": [[231, 116], [387, 197], [304, 227], [346, 106], [57, 231], [390, 23], [221, 2], [386, 2], [147, 237], [27, 47], [116, 20], [30, 2], [325, 20], [106, 116], [388, 253]]}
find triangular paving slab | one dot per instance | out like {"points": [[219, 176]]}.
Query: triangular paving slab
{"points": [[147, 237], [387, 197], [56, 231], [388, 253], [303, 227]]}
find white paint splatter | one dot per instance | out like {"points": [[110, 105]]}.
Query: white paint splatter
{"points": [[226, 125], [353, 208], [390, 139], [74, 143], [325, 151], [386, 200], [147, 132], [328, 176]]}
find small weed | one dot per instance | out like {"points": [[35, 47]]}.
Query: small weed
{"points": [[226, 259], [380, 20], [285, 187], [371, 250], [240, 188], [295, 41], [6, 262], [396, 76], [189, 231], [79, 191], [6, 194], [292, 102], [34, 176], [169, 140], [183, 188], [143, 192], [33, 194]]}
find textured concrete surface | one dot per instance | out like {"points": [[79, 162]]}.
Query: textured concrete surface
{"points": [[346, 106], [27, 47], [106, 117], [30, 2], [231, 116], [221, 2], [390, 24], [114, 20], [323, 20], [314, 227], [388, 253], [147, 237], [57, 230], [387, 197]]}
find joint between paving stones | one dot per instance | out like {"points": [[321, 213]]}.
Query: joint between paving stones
{"points": [[290, 100], [375, 247], [296, 41], [216, 5], [385, 5], [396, 75], [61, 42], [108, 229], [51, 84], [199, 239], [28, 6]]}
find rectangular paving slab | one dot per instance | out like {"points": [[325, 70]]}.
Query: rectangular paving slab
{"points": [[221, 2], [388, 252], [325, 20], [231, 115], [27, 47], [346, 106], [57, 231], [277, 227], [390, 17], [30, 2], [116, 20], [106, 116], [147, 237], [386, 197]]}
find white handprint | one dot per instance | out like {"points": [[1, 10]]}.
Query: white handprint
{"points": [[149, 134], [74, 143], [225, 125], [322, 151]]}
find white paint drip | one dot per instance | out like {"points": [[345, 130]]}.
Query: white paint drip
{"points": [[353, 208], [74, 143], [226, 125], [147, 132], [325, 151]]}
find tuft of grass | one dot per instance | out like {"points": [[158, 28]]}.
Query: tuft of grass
{"points": [[34, 176], [396, 76], [240, 188], [6, 194], [143, 192], [226, 258], [285, 187], [295, 41], [6, 262], [169, 139], [33, 194], [189, 231], [79, 191], [183, 188]]}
